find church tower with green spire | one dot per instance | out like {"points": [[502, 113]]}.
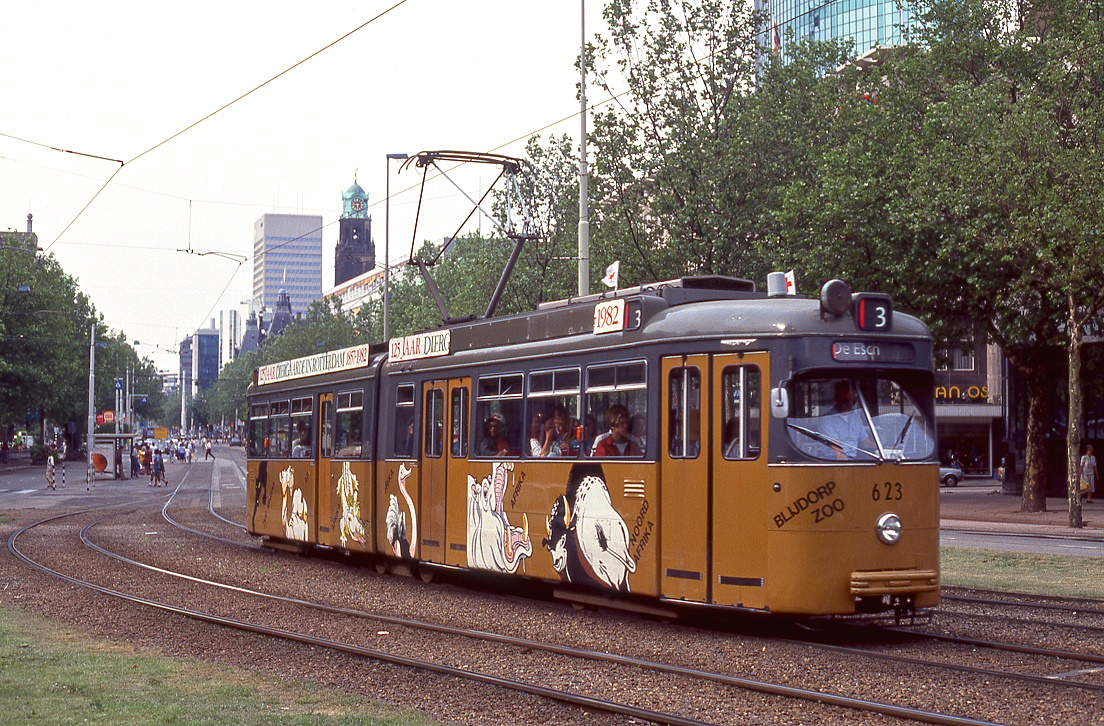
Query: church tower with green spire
{"points": [[355, 253]]}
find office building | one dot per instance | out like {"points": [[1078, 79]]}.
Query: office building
{"points": [[199, 359], [230, 335], [869, 23], [287, 255]]}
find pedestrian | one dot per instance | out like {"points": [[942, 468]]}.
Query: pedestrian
{"points": [[207, 450], [50, 463], [159, 468], [1088, 473]]}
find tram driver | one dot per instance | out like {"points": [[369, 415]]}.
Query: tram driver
{"points": [[846, 425]]}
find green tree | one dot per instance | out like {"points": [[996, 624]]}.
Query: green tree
{"points": [[970, 187], [45, 324], [693, 158]]}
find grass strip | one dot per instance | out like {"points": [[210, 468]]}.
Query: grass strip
{"points": [[48, 675], [1018, 572]]}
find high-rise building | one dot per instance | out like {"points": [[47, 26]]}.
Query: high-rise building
{"points": [[199, 359], [287, 255], [870, 23], [355, 253], [230, 336]]}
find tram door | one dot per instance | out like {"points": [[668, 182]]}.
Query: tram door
{"points": [[741, 480], [684, 468], [444, 443], [327, 534]]}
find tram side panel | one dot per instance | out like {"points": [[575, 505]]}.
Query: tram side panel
{"points": [[284, 499], [587, 523]]}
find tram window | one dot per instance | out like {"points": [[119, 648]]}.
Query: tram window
{"points": [[280, 419], [553, 406], [301, 430], [684, 413], [498, 416], [326, 425], [458, 434], [403, 443], [258, 430], [858, 419], [616, 422], [741, 412], [350, 425], [434, 422]]}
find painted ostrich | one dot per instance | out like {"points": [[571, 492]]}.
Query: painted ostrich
{"points": [[396, 519]]}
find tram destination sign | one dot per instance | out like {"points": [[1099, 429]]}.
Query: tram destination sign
{"points": [[872, 351], [313, 365]]}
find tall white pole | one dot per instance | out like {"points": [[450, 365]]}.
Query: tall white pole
{"points": [[90, 474], [387, 246], [584, 219], [387, 250]]}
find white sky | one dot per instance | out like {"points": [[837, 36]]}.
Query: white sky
{"points": [[115, 79]]}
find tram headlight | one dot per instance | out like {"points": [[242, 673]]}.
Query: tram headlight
{"points": [[889, 528]]}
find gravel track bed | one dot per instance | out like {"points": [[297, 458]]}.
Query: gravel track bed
{"points": [[462, 701]]}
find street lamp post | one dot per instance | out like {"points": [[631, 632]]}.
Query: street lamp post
{"points": [[387, 246]]}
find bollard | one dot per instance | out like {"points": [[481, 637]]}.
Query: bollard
{"points": [[63, 475]]}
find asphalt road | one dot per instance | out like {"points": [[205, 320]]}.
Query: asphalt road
{"points": [[1029, 544]]}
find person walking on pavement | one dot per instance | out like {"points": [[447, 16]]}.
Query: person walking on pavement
{"points": [[1089, 472], [50, 464], [207, 450]]}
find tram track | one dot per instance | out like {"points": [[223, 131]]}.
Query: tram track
{"points": [[528, 645], [972, 670], [178, 511]]}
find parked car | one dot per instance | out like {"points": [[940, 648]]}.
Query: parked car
{"points": [[235, 441], [949, 476]]}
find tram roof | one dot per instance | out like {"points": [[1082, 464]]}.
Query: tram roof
{"points": [[716, 308]]}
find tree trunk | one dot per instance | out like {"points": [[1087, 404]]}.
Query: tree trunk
{"points": [[1038, 416], [1073, 433]]}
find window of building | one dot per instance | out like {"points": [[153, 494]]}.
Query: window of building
{"points": [[962, 358]]}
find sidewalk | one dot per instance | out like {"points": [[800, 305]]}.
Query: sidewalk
{"points": [[981, 506]]}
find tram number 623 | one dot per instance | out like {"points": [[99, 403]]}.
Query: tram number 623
{"points": [[889, 491]]}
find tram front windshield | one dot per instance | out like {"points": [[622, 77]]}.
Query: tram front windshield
{"points": [[858, 419]]}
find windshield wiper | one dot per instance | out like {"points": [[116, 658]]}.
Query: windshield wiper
{"points": [[830, 442]]}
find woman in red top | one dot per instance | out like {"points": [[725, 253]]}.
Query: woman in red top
{"points": [[619, 442]]}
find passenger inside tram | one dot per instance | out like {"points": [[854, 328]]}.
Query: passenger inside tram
{"points": [[618, 440]]}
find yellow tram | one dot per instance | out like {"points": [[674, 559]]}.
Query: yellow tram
{"points": [[694, 441]]}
